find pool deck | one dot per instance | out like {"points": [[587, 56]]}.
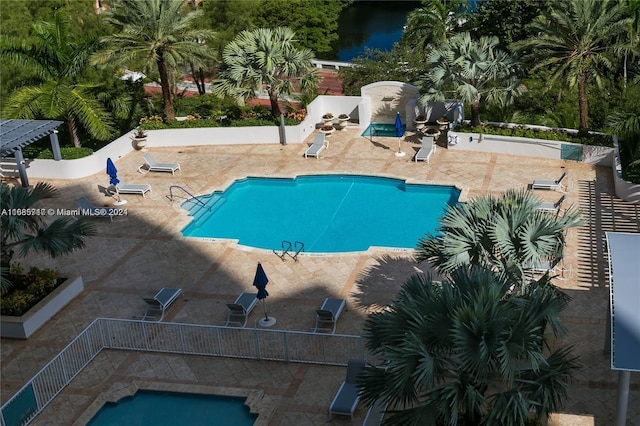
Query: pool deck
{"points": [[137, 254]]}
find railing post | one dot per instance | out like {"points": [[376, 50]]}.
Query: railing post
{"points": [[257, 342], [286, 346]]}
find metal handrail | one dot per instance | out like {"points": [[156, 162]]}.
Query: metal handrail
{"points": [[188, 193]]}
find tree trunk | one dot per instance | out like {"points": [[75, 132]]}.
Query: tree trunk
{"points": [[582, 103], [198, 78], [275, 108], [167, 95], [475, 112], [73, 132]]}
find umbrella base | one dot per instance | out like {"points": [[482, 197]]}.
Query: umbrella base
{"points": [[120, 202], [267, 322], [400, 154]]}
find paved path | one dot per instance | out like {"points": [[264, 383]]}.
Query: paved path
{"points": [[139, 253]]}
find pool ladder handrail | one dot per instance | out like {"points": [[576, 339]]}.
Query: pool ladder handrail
{"points": [[193, 197], [287, 248]]}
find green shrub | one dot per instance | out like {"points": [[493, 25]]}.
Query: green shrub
{"points": [[28, 289], [67, 153], [522, 132]]}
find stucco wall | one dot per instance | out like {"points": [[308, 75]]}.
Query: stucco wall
{"points": [[389, 97]]}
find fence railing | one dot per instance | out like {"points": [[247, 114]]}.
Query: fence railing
{"points": [[186, 339]]}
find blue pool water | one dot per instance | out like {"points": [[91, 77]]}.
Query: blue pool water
{"points": [[170, 409], [382, 129], [328, 213]]}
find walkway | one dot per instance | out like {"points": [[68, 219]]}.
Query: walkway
{"points": [[139, 253]]}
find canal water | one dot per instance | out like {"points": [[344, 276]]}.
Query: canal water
{"points": [[372, 24]]}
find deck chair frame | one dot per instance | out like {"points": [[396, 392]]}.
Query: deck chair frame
{"points": [[327, 316], [319, 144], [550, 184], [426, 150], [153, 166], [125, 188], [158, 305], [346, 399], [240, 309]]}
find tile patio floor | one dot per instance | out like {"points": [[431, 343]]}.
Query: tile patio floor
{"points": [[139, 253]]}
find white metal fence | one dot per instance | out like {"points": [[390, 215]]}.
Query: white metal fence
{"points": [[186, 339]]}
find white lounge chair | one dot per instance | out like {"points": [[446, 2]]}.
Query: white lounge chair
{"points": [[240, 309], [318, 145], [88, 209], [158, 305], [133, 188], [347, 398], [327, 316], [427, 149], [152, 165], [550, 184], [550, 207], [555, 267]]}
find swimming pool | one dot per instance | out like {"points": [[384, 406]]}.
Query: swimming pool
{"points": [[328, 213], [172, 408], [382, 129]]}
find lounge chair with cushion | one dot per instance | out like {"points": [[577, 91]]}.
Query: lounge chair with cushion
{"points": [[427, 149], [347, 398], [555, 267], [318, 145], [550, 207], [158, 305], [240, 309], [327, 316], [375, 414], [550, 184], [88, 209], [133, 188], [152, 165]]}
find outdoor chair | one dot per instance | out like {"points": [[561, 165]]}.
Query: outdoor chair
{"points": [[427, 149], [550, 184], [125, 188], [347, 398], [152, 165], [88, 209], [240, 309], [550, 207], [318, 145], [158, 305], [327, 316], [555, 267]]}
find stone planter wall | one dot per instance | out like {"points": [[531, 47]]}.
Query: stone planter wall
{"points": [[24, 326]]}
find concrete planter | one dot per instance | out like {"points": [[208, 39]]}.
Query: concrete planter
{"points": [[24, 326]]}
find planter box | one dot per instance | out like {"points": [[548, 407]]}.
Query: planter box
{"points": [[24, 326]]}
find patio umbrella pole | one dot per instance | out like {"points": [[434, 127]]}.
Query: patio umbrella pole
{"points": [[264, 305]]}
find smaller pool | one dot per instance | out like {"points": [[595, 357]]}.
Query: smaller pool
{"points": [[172, 408], [382, 129]]}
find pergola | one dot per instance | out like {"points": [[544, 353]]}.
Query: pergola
{"points": [[16, 134], [624, 289]]}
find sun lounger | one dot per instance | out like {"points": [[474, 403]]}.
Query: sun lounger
{"points": [[88, 209], [552, 207], [158, 305], [240, 309], [126, 188], [318, 145], [555, 267], [550, 184], [375, 414], [347, 398], [152, 165], [327, 315], [427, 149]]}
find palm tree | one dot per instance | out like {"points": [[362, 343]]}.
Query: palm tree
{"points": [[577, 40], [432, 23], [57, 58], [471, 70], [500, 233], [26, 232], [265, 59], [156, 34], [468, 352]]}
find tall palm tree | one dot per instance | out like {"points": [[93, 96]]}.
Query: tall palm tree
{"points": [[577, 40], [468, 352], [432, 23], [501, 233], [22, 233], [57, 58], [266, 59], [155, 34], [470, 71]]}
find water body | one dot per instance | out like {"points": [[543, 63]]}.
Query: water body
{"points": [[372, 24]]}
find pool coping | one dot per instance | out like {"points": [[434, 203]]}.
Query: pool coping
{"points": [[256, 400]]}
